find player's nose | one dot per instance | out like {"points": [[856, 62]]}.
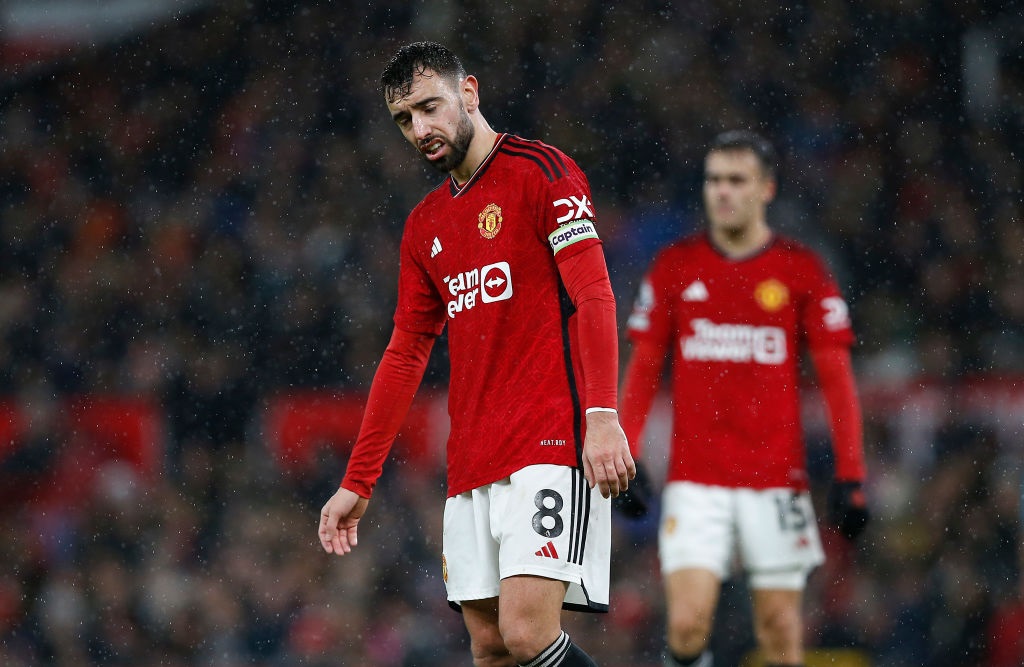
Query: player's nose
{"points": [[420, 128]]}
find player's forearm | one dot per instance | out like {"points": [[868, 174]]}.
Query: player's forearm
{"points": [[585, 277], [599, 353], [642, 379], [835, 375], [391, 394]]}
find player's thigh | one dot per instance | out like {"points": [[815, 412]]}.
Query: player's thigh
{"points": [[778, 623], [697, 528], [778, 537], [529, 609], [691, 596], [777, 608], [481, 619]]}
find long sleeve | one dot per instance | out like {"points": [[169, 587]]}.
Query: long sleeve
{"points": [[394, 385], [585, 277], [835, 374], [642, 379]]}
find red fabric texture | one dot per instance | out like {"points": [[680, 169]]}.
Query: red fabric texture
{"points": [[835, 375], [585, 277], [640, 386], [394, 385]]}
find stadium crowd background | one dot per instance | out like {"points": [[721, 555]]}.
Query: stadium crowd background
{"points": [[206, 215]]}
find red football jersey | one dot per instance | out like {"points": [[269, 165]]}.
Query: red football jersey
{"points": [[735, 327], [481, 258]]}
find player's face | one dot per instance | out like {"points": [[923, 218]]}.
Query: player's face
{"points": [[433, 118], [736, 189]]}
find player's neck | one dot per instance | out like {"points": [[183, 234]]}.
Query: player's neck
{"points": [[479, 149], [742, 241]]}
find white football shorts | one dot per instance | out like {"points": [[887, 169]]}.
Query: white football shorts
{"points": [[772, 532], [543, 520]]}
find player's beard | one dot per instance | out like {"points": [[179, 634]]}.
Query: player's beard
{"points": [[458, 147]]}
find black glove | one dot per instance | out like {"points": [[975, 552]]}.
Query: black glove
{"points": [[636, 501], [847, 508]]}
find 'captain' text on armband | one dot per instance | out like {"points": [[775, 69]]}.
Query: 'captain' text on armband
{"points": [[574, 232]]}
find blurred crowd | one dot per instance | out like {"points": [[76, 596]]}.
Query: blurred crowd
{"points": [[208, 213]]}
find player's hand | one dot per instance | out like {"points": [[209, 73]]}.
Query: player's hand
{"points": [[637, 500], [847, 508], [607, 463], [339, 519]]}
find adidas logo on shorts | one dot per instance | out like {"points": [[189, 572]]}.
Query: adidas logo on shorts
{"points": [[547, 551]]}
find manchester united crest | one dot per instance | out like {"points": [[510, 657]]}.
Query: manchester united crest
{"points": [[771, 295], [489, 221]]}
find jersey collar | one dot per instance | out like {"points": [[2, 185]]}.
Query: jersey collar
{"points": [[455, 189], [755, 252]]}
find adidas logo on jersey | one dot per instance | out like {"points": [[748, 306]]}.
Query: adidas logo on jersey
{"points": [[435, 247], [695, 292], [547, 551]]}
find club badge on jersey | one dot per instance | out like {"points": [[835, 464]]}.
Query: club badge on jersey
{"points": [[771, 295], [489, 221]]}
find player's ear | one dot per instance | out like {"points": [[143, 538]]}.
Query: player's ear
{"points": [[470, 91], [769, 190]]}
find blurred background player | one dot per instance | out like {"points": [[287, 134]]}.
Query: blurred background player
{"points": [[732, 308], [504, 253]]}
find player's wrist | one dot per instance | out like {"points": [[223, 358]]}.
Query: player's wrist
{"points": [[361, 489], [603, 417]]}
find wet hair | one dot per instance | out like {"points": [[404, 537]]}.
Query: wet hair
{"points": [[415, 58], [746, 140]]}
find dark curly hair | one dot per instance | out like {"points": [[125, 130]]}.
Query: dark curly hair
{"points": [[415, 58]]}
